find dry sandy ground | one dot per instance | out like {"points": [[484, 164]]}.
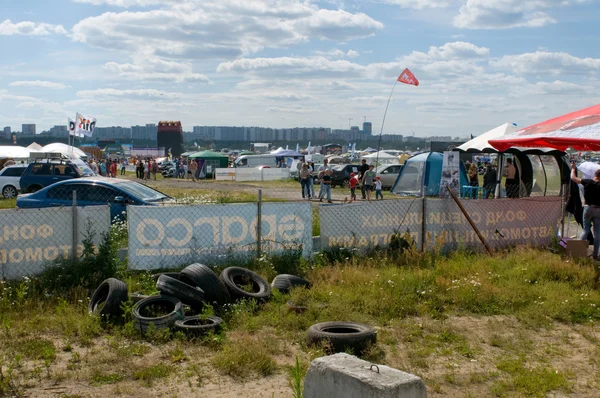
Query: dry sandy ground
{"points": [[571, 349]]}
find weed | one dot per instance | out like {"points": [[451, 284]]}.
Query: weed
{"points": [[99, 378], [531, 381], [296, 380], [151, 373], [37, 348], [246, 356]]}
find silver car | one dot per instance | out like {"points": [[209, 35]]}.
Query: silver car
{"points": [[388, 174]]}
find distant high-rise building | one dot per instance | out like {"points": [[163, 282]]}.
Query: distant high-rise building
{"points": [[355, 129], [59, 131], [28, 129], [6, 132], [367, 128], [170, 136]]}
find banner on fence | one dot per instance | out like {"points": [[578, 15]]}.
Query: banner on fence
{"points": [[171, 236], [30, 239], [502, 222]]}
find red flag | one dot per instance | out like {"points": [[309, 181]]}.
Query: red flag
{"points": [[407, 77]]}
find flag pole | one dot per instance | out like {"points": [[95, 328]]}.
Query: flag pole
{"points": [[383, 121]]}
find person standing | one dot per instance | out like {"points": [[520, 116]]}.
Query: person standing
{"points": [[473, 180], [311, 181], [591, 207], [299, 168], [321, 172], [378, 188], [368, 181], [364, 167], [512, 185], [124, 164], [353, 183], [304, 176], [154, 169], [193, 168], [326, 185], [490, 179], [102, 168]]}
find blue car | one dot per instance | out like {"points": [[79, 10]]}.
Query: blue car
{"points": [[94, 191]]}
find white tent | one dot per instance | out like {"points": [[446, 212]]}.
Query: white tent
{"points": [[35, 146], [381, 157], [64, 149], [481, 145], [15, 152], [285, 152]]}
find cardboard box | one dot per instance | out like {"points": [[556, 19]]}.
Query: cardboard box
{"points": [[576, 248]]}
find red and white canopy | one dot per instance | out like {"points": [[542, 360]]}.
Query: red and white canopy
{"points": [[578, 130]]}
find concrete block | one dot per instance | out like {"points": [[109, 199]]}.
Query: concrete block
{"points": [[346, 376]]}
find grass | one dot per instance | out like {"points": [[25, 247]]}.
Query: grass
{"points": [[521, 323], [8, 203]]}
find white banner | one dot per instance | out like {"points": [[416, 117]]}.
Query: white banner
{"points": [[84, 126], [450, 174]]}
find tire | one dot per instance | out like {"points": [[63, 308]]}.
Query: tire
{"points": [[190, 295], [284, 282], [33, 188], [342, 336], [107, 299], [200, 275], [9, 192], [143, 318], [234, 277], [198, 326], [346, 183], [171, 274]]}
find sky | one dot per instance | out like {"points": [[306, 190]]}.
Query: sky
{"points": [[299, 63]]}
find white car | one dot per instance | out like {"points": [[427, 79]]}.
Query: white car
{"points": [[388, 174], [9, 180]]}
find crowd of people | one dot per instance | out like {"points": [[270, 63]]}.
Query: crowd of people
{"points": [[366, 179]]}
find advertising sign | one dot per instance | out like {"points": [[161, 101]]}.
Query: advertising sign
{"points": [[450, 174], [171, 236], [502, 222], [33, 238]]}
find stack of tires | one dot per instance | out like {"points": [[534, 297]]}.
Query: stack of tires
{"points": [[197, 285]]}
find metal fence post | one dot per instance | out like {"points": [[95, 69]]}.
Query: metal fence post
{"points": [[423, 229], [259, 223], [562, 210], [75, 229]]}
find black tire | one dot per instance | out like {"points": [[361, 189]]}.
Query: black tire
{"points": [[9, 192], [197, 326], [107, 299], [202, 276], [234, 277], [143, 317], [190, 295], [284, 282], [34, 188], [345, 183], [342, 336], [137, 297], [171, 274]]}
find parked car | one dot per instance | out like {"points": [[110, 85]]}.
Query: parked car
{"points": [[94, 191], [341, 174], [44, 172], [10, 177], [388, 173]]}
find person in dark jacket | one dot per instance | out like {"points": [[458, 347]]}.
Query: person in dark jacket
{"points": [[490, 180], [591, 207]]}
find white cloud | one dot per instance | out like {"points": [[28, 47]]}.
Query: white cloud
{"points": [[153, 68], [336, 53], [126, 3], [556, 87], [548, 63], [136, 93], [221, 29], [313, 66], [420, 4], [503, 14], [38, 84], [27, 28]]}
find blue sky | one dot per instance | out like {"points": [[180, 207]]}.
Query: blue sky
{"points": [[286, 63]]}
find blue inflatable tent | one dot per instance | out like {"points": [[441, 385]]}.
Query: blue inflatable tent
{"points": [[423, 170]]}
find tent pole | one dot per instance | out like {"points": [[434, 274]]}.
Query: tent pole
{"points": [[499, 175], [383, 122]]}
